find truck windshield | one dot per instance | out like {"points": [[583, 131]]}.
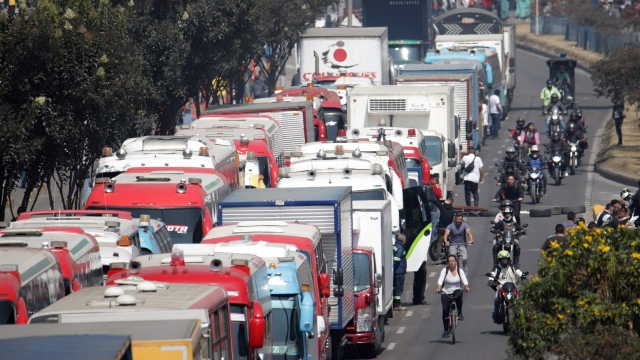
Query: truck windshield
{"points": [[287, 340], [184, 224], [412, 163], [434, 150], [333, 121], [263, 165], [362, 278], [240, 332], [7, 313], [375, 194], [405, 53]]}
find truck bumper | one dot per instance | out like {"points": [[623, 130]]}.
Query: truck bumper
{"points": [[354, 338]]}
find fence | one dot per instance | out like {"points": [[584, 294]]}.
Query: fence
{"points": [[585, 37]]}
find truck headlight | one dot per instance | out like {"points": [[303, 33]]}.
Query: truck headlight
{"points": [[364, 320]]}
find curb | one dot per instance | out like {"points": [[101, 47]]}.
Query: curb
{"points": [[619, 178]]}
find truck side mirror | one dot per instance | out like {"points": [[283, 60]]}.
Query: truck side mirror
{"points": [[512, 62], [323, 282], [256, 326], [452, 163], [451, 150], [378, 281], [337, 277], [307, 312], [403, 224]]}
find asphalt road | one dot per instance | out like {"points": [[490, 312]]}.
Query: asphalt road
{"points": [[416, 333]]}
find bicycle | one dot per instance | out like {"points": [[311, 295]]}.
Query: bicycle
{"points": [[453, 317]]}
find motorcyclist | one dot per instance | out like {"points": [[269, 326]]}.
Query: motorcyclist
{"points": [[572, 134], [535, 160], [512, 159], [558, 144], [555, 101], [513, 191], [503, 205], [509, 170], [628, 196], [504, 272], [515, 132], [574, 118], [507, 224], [581, 119], [545, 94], [529, 137]]}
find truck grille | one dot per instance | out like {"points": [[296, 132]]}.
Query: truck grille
{"points": [[387, 105]]}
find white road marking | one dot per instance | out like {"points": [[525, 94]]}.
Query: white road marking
{"points": [[503, 145], [401, 330], [432, 274], [507, 140], [495, 159], [499, 152], [409, 313], [391, 346]]}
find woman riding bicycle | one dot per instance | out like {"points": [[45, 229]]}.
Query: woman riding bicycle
{"points": [[451, 281]]}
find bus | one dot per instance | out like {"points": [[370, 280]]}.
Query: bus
{"points": [[78, 252], [149, 303], [244, 277], [30, 280]]}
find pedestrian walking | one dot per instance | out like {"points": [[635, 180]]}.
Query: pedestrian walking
{"points": [[399, 270], [495, 108], [295, 80], [618, 116], [457, 236], [472, 166], [486, 126]]}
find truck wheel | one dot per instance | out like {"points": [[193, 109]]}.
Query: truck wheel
{"points": [[371, 351]]}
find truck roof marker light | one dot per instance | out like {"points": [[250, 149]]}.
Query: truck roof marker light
{"points": [[177, 257], [181, 188], [357, 153], [134, 267], [215, 265], [124, 241], [377, 169], [311, 174], [185, 126], [59, 244], [342, 87], [121, 154], [382, 153], [239, 262], [113, 292], [272, 266], [248, 99], [244, 140], [339, 150], [309, 84], [259, 126], [107, 151], [204, 151], [411, 132], [321, 154], [283, 172], [305, 287], [187, 153], [346, 172], [309, 97]]}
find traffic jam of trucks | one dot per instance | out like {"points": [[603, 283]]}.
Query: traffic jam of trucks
{"points": [[265, 229]]}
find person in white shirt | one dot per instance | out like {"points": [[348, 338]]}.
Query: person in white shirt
{"points": [[495, 108], [471, 178], [505, 273], [486, 119], [451, 281]]}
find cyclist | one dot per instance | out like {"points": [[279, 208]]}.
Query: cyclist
{"points": [[505, 272], [451, 281], [455, 237]]}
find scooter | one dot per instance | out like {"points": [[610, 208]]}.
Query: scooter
{"points": [[506, 293]]}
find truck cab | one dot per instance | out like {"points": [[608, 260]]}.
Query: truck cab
{"points": [[367, 332]]}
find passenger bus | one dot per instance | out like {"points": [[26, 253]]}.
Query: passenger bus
{"points": [[145, 302], [186, 200], [244, 277], [305, 238], [77, 252], [30, 280]]}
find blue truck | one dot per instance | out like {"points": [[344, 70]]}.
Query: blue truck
{"points": [[329, 209]]}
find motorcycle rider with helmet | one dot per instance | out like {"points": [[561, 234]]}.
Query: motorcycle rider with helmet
{"points": [[574, 118], [512, 159], [581, 119], [509, 170], [535, 160], [504, 272], [555, 101], [515, 132], [628, 196], [572, 134], [558, 144], [507, 224], [545, 94], [500, 215]]}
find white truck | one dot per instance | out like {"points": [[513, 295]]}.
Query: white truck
{"points": [[360, 51], [427, 108]]}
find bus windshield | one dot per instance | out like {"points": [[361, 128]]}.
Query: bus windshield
{"points": [[413, 163], [184, 224], [375, 194], [362, 277], [434, 150], [286, 344], [263, 166]]}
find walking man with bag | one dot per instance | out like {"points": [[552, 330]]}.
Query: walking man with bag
{"points": [[472, 166], [618, 116]]}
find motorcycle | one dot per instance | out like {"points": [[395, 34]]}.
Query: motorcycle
{"points": [[556, 167], [506, 239], [555, 121], [535, 183], [507, 292], [574, 156]]}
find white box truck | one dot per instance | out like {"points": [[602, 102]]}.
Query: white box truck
{"points": [[361, 52], [427, 108]]}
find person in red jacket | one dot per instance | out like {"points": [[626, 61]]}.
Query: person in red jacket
{"points": [[435, 185]]}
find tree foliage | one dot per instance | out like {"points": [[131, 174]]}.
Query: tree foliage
{"points": [[590, 284], [619, 73]]}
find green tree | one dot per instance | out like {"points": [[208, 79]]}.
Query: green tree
{"points": [[619, 73], [591, 283]]}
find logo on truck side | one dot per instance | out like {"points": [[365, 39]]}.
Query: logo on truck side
{"points": [[336, 56]]}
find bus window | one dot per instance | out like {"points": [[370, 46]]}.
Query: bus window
{"points": [[7, 313]]}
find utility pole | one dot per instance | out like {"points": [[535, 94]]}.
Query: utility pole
{"points": [[537, 19], [349, 12]]}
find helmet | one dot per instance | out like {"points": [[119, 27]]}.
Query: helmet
{"points": [[579, 113], [510, 165], [571, 127], [573, 116], [511, 152], [554, 97], [626, 194], [563, 54], [520, 120], [606, 219], [535, 151], [535, 148], [505, 203], [550, 82], [555, 135], [504, 254], [508, 213]]}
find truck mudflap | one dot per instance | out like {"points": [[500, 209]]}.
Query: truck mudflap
{"points": [[417, 227]]}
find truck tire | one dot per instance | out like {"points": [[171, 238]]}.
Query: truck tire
{"points": [[371, 351], [576, 209], [540, 212]]}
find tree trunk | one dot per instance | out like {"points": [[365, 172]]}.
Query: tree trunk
{"points": [[52, 204]]}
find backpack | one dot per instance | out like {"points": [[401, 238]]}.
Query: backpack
{"points": [[447, 273], [469, 168]]}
